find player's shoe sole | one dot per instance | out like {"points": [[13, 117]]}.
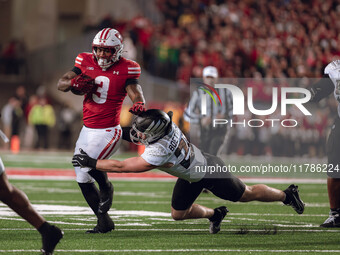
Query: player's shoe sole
{"points": [[51, 239], [215, 226], [295, 201], [333, 221], [106, 198]]}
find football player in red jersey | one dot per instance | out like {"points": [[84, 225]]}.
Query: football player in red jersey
{"points": [[114, 77]]}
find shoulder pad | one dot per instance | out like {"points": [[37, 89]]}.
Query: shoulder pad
{"points": [[334, 65]]}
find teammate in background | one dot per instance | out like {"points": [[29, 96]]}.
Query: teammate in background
{"points": [[114, 77], [211, 139], [321, 89], [18, 202], [167, 148]]}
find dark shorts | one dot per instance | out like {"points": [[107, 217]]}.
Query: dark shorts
{"points": [[333, 150], [225, 186]]}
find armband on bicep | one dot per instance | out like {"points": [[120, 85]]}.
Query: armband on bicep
{"points": [[126, 134], [76, 70]]}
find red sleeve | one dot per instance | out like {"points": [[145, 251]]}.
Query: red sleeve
{"points": [[78, 61], [134, 70]]}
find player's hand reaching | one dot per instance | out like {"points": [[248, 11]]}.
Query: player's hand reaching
{"points": [[137, 108], [83, 160]]}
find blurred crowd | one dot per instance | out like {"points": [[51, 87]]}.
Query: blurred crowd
{"points": [[12, 58], [245, 38], [255, 39], [34, 122]]}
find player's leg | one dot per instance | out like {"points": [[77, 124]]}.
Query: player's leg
{"points": [[233, 189], [182, 207], [103, 145], [333, 181], [227, 186], [183, 197], [98, 143], [263, 193], [84, 180], [106, 190], [333, 188], [92, 196], [195, 211], [18, 202]]}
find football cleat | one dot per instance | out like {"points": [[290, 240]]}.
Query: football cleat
{"points": [[293, 199], [97, 230], [215, 226], [104, 224], [106, 198], [51, 239], [333, 221]]}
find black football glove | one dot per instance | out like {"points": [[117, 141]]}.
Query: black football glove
{"points": [[83, 160]]}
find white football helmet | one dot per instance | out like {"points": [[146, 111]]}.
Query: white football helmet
{"points": [[108, 38], [150, 126]]}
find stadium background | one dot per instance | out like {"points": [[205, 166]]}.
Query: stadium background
{"points": [[173, 40]]}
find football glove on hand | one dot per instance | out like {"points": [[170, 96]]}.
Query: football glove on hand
{"points": [[137, 108], [83, 84], [83, 160]]}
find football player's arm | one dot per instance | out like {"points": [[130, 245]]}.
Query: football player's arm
{"points": [[130, 165], [64, 83], [321, 89], [126, 134], [135, 92], [133, 165]]}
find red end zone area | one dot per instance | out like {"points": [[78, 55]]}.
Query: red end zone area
{"points": [[39, 173]]}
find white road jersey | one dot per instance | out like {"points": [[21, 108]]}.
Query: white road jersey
{"points": [[333, 70], [175, 149]]}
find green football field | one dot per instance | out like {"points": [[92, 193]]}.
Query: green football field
{"points": [[141, 211]]}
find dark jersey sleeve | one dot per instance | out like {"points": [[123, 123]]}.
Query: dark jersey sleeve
{"points": [[126, 134], [76, 70], [321, 89], [131, 81]]}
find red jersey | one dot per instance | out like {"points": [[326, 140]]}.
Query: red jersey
{"points": [[102, 108]]}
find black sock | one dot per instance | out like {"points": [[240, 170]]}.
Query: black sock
{"points": [[43, 229], [91, 195], [287, 199], [101, 179], [216, 216], [335, 210]]}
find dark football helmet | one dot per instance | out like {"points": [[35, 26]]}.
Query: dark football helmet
{"points": [[150, 126]]}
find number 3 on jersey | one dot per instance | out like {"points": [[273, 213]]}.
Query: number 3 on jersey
{"points": [[100, 95]]}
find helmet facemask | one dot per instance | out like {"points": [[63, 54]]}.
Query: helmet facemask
{"points": [[108, 38], [146, 130], [147, 137]]}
